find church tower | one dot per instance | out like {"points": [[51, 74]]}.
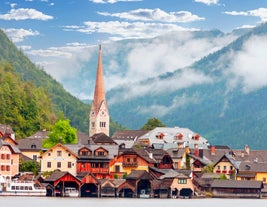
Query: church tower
{"points": [[99, 116]]}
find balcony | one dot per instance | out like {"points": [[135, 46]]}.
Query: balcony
{"points": [[99, 170], [129, 164]]}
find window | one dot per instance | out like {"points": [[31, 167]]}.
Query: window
{"points": [[48, 164], [100, 154], [34, 157], [224, 167], [182, 181], [33, 146], [59, 153], [58, 164], [2, 156], [218, 167], [8, 156], [7, 168], [117, 168], [69, 164], [264, 180], [93, 124], [128, 160], [84, 153], [102, 124], [2, 168]]}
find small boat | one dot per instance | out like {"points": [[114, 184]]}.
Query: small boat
{"points": [[144, 194], [22, 188], [71, 192]]}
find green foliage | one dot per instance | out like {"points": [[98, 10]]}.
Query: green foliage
{"points": [[116, 176], [152, 123], [31, 99], [30, 166], [61, 132], [124, 175], [23, 106], [207, 169], [187, 162], [223, 177]]}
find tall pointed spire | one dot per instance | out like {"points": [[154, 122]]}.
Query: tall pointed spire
{"points": [[99, 94], [99, 116]]}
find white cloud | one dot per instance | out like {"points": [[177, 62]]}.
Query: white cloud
{"points": [[126, 30], [155, 15], [260, 12], [183, 79], [61, 62], [18, 35], [162, 110], [208, 2], [111, 1], [249, 64], [25, 13]]}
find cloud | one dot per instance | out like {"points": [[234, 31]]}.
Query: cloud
{"points": [[61, 62], [18, 35], [183, 79], [25, 13], [208, 2], [162, 110], [155, 15], [111, 1], [126, 30], [249, 64], [261, 13]]}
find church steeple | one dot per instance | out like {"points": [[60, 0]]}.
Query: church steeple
{"points": [[99, 116]]}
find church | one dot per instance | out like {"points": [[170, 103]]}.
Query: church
{"points": [[99, 115]]}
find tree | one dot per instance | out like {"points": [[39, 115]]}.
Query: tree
{"points": [[61, 132], [152, 123], [207, 169], [29, 166]]}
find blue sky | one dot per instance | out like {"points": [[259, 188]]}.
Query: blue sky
{"points": [[45, 23], [57, 34]]}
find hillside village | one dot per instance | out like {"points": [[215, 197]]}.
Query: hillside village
{"points": [[166, 162]]}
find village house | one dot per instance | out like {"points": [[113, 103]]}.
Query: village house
{"points": [[59, 157], [172, 137]]}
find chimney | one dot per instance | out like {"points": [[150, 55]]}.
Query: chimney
{"points": [[201, 152], [212, 150], [197, 152], [247, 150], [150, 154]]}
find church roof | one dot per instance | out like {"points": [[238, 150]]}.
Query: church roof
{"points": [[99, 94]]}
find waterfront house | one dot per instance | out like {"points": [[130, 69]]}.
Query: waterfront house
{"points": [[178, 156], [252, 171], [109, 187], [59, 157], [90, 185], [226, 165], [128, 160], [95, 155], [236, 189], [60, 180]]}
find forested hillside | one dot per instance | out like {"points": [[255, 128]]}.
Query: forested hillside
{"points": [[46, 89]]}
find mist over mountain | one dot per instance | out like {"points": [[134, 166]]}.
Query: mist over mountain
{"points": [[223, 96]]}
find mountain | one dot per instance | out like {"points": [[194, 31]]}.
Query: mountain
{"points": [[62, 101], [222, 96]]}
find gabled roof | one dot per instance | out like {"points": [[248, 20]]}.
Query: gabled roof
{"points": [[230, 159], [33, 144], [176, 153], [139, 174], [102, 138], [63, 147], [40, 135], [128, 134], [13, 148], [172, 174], [255, 167]]}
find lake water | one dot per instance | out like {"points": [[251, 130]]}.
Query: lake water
{"points": [[123, 202]]}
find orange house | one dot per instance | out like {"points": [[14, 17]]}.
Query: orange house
{"points": [[129, 160]]}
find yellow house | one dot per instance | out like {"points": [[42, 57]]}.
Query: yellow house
{"points": [[59, 157], [252, 171], [226, 165]]}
